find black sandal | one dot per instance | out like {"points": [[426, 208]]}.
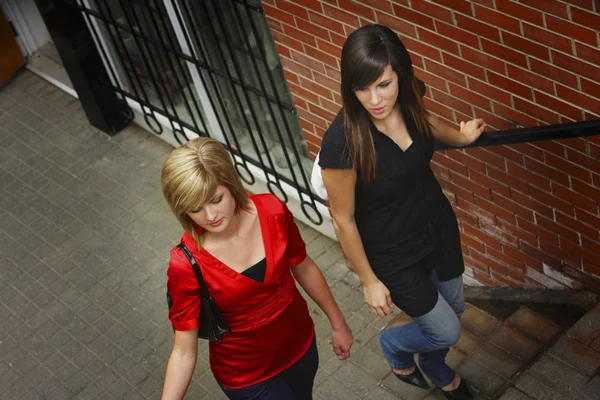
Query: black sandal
{"points": [[415, 378], [462, 392]]}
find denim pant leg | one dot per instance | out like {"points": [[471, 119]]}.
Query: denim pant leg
{"points": [[452, 291], [433, 363], [437, 330]]}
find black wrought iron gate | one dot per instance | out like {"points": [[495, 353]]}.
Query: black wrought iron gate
{"points": [[210, 68], [207, 68]]}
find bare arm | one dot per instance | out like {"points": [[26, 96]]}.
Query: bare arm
{"points": [[311, 279], [469, 131], [181, 364], [340, 185]]}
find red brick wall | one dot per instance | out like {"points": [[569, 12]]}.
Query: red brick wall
{"points": [[529, 213]]}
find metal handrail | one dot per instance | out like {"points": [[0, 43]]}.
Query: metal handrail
{"points": [[533, 134]]}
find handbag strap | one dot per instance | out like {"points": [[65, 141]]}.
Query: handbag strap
{"points": [[197, 271]]}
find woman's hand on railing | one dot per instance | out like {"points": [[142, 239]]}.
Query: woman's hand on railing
{"points": [[472, 129]]}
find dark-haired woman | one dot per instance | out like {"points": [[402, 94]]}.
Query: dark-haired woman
{"points": [[392, 219]]}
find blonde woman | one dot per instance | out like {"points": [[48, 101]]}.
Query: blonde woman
{"points": [[249, 250]]}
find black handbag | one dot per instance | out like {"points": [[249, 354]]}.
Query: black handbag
{"points": [[212, 323]]}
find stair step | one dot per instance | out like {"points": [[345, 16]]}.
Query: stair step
{"points": [[570, 368], [515, 342], [533, 324], [478, 321], [506, 348], [491, 352], [587, 329]]}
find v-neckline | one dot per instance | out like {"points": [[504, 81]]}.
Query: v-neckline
{"points": [[239, 276], [403, 151]]}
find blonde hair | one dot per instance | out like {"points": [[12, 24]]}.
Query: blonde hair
{"points": [[190, 176]]}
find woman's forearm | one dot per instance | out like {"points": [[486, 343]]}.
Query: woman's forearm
{"points": [[179, 373], [354, 251], [443, 132], [311, 279]]}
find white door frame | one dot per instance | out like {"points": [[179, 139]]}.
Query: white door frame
{"points": [[28, 22]]}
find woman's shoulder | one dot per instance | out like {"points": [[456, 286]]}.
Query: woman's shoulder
{"points": [[178, 260], [267, 203], [179, 265], [334, 151], [335, 132]]}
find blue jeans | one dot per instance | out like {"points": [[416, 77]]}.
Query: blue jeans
{"points": [[430, 335], [293, 383]]}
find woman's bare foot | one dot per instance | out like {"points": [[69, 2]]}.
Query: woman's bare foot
{"points": [[412, 376], [457, 390], [406, 371], [455, 383]]}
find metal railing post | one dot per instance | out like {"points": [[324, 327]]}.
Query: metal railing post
{"points": [[80, 58]]}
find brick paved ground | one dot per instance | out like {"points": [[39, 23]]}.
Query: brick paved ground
{"points": [[84, 241]]}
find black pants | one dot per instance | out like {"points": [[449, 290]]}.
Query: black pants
{"points": [[293, 383]]}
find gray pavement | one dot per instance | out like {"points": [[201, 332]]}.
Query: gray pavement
{"points": [[84, 242]]}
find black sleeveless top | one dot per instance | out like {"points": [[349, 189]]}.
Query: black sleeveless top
{"points": [[403, 214], [257, 271]]}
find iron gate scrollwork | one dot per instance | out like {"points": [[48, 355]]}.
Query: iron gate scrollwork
{"points": [[208, 68]]}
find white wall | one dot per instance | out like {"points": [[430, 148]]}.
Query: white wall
{"points": [[28, 23]]}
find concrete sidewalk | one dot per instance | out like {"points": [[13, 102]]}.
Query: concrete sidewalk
{"points": [[84, 242]]}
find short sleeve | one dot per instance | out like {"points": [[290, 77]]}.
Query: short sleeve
{"points": [[184, 290], [296, 248], [334, 153]]}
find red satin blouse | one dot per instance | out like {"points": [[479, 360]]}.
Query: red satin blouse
{"points": [[270, 323]]}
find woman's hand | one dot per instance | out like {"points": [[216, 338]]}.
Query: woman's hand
{"points": [[378, 298], [472, 129], [341, 341]]}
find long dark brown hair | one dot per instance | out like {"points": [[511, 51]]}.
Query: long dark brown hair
{"points": [[366, 53]]}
